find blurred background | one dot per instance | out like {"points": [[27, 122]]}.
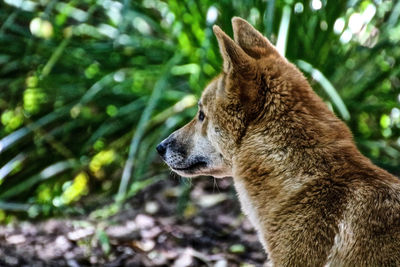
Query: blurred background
{"points": [[88, 88]]}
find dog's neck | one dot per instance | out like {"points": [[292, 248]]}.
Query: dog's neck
{"points": [[260, 201], [268, 178]]}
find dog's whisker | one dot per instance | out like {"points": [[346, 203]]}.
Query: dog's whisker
{"points": [[215, 185]]}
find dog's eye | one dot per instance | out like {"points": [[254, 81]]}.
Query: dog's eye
{"points": [[201, 115]]}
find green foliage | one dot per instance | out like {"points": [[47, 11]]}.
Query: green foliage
{"points": [[88, 88]]}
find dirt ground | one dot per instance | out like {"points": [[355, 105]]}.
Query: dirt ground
{"points": [[211, 231]]}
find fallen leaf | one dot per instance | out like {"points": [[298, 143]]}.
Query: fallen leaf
{"points": [[16, 239], [206, 201], [237, 248], [185, 259], [144, 222]]}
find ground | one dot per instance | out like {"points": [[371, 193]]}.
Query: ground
{"points": [[148, 231]]}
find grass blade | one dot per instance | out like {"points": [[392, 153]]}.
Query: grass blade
{"points": [[14, 206], [10, 166], [283, 31], [55, 56], [269, 18], [140, 129], [46, 173], [327, 86], [7, 141]]}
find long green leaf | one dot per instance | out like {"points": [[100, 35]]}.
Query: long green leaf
{"points": [[144, 118], [45, 174], [283, 31], [327, 86]]}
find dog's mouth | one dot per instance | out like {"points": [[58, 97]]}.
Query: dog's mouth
{"points": [[191, 167]]}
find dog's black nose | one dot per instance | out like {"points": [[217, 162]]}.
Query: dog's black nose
{"points": [[161, 148]]}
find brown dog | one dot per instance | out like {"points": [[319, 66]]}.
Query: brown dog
{"points": [[312, 197]]}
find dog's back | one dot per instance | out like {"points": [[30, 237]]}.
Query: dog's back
{"points": [[369, 230]]}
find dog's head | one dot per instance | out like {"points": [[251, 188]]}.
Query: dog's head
{"points": [[230, 104]]}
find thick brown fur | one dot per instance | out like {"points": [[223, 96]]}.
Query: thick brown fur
{"points": [[314, 199]]}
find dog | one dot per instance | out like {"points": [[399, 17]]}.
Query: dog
{"points": [[312, 197]]}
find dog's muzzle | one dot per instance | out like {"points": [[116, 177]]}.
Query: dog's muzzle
{"points": [[175, 155]]}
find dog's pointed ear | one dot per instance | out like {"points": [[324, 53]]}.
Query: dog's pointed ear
{"points": [[232, 54], [251, 40]]}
